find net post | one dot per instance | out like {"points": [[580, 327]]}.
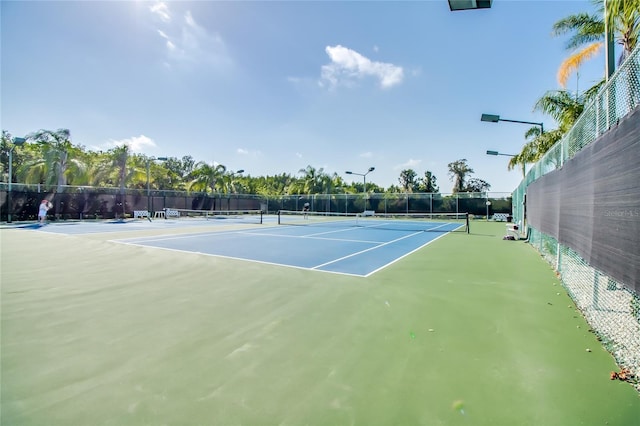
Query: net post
{"points": [[279, 218], [260, 217], [467, 221]]}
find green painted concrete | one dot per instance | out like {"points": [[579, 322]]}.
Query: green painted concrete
{"points": [[470, 330]]}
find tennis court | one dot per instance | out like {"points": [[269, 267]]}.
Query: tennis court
{"points": [[466, 329], [322, 242]]}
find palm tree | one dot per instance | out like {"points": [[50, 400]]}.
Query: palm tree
{"points": [[623, 17], [564, 108], [230, 182], [59, 162], [312, 179], [458, 171], [119, 156], [207, 176]]}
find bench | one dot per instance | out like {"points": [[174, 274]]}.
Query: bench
{"points": [[369, 213], [171, 213], [141, 214], [500, 217]]}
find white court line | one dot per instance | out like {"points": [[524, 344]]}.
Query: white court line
{"points": [[405, 255], [213, 234], [304, 268], [311, 238], [377, 225], [140, 242], [366, 250], [329, 232], [176, 237]]}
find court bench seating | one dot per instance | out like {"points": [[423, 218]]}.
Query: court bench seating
{"points": [[165, 213], [369, 213], [140, 214], [500, 217]]}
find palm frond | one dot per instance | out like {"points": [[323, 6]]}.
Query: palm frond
{"points": [[575, 61], [587, 29]]}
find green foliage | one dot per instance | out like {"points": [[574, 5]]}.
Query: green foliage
{"points": [[50, 158], [458, 172]]}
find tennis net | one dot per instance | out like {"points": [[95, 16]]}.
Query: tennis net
{"points": [[428, 222], [249, 216]]}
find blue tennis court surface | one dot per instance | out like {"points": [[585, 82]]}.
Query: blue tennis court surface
{"points": [[336, 247], [359, 251], [99, 227]]}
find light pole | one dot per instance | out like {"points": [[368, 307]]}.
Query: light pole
{"points": [[508, 155], [149, 160], [16, 142], [493, 118], [364, 177]]}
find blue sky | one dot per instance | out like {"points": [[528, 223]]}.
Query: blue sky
{"points": [[271, 87]]}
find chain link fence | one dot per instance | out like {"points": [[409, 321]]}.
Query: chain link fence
{"points": [[478, 204], [86, 202]]}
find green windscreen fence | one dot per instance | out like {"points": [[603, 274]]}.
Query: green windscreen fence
{"points": [[581, 206], [592, 203]]}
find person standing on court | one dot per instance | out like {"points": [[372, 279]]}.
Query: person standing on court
{"points": [[45, 205], [305, 209]]}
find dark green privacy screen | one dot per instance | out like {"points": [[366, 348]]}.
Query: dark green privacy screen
{"points": [[592, 203]]}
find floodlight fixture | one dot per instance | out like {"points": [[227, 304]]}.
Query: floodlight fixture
{"points": [[499, 153], [455, 5], [494, 118], [364, 177]]}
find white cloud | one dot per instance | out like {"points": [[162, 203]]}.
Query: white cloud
{"points": [[410, 164], [243, 151], [348, 66], [188, 17], [298, 155], [368, 154], [189, 43], [162, 10], [135, 143]]}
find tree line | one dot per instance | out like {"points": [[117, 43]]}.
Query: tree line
{"points": [[50, 158]]}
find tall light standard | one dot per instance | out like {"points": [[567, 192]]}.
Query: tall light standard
{"points": [[16, 142], [493, 118], [149, 160], [364, 176]]}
